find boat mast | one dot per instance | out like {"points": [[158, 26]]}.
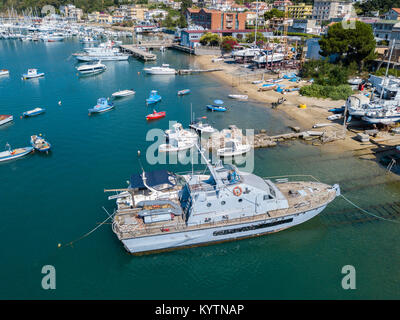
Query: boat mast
{"points": [[255, 34], [387, 69]]}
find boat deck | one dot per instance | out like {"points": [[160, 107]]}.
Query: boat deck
{"points": [[301, 196]]}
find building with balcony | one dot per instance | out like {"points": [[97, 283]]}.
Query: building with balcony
{"points": [[331, 9], [215, 19], [300, 11]]}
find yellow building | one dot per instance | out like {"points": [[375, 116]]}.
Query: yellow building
{"points": [[136, 13], [300, 11]]}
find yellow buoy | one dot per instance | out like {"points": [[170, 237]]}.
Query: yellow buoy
{"points": [[59, 245], [302, 106]]}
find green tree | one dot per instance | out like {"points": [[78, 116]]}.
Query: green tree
{"points": [[250, 37], [273, 13], [349, 44], [211, 39]]}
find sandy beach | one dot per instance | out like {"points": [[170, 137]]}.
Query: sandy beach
{"points": [[316, 111]]}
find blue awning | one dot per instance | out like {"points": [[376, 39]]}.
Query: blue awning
{"points": [[153, 178]]}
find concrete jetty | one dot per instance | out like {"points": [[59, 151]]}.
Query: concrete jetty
{"points": [[138, 53]]}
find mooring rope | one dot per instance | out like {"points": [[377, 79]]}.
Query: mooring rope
{"points": [[88, 233], [366, 212]]}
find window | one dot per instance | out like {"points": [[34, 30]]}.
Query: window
{"points": [[209, 204], [223, 202], [240, 200]]}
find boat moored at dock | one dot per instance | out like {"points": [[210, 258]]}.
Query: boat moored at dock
{"points": [[163, 70]]}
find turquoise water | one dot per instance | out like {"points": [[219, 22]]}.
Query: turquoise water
{"points": [[56, 198]]}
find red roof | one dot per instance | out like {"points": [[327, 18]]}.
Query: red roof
{"points": [[397, 10]]}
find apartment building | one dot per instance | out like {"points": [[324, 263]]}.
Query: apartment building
{"points": [[331, 9], [215, 19], [300, 11]]}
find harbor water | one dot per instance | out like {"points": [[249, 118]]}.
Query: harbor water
{"points": [[56, 198]]}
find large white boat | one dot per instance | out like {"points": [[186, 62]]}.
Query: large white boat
{"points": [[107, 54], [233, 148], [176, 145], [384, 116], [268, 57], [92, 68], [163, 211], [4, 72], [164, 69], [246, 53], [177, 132], [5, 118], [202, 128]]}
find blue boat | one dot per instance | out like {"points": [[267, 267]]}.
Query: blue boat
{"points": [[40, 144], [153, 98], [214, 107], [337, 110], [183, 92], [31, 74], [34, 112], [103, 105]]}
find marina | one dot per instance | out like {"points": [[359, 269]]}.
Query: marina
{"points": [[64, 199]]}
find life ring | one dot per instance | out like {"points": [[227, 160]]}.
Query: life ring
{"points": [[237, 191]]}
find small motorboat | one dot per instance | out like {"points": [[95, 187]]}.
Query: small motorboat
{"points": [[176, 145], [102, 105], [11, 154], [233, 148], [33, 112], [123, 93], [4, 118], [267, 87], [40, 144], [183, 92], [214, 107], [337, 110], [238, 96], [257, 81], [153, 98], [335, 117], [156, 115], [202, 128], [4, 72], [31, 74]]}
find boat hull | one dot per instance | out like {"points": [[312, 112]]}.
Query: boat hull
{"points": [[212, 235], [100, 110], [27, 77], [6, 155], [6, 120]]}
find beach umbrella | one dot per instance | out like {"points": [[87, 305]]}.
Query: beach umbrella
{"points": [[218, 102]]}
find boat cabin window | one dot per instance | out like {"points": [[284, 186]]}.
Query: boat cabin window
{"points": [[240, 200], [209, 204], [268, 197], [223, 202]]}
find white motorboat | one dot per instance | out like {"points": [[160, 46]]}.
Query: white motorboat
{"points": [[238, 96], [92, 68], [268, 57], [246, 53], [106, 54], [202, 128], [32, 73], [164, 69], [177, 132], [123, 93], [233, 148], [176, 145], [384, 116], [4, 72]]}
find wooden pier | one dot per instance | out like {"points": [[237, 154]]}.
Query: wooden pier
{"points": [[138, 53]]}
